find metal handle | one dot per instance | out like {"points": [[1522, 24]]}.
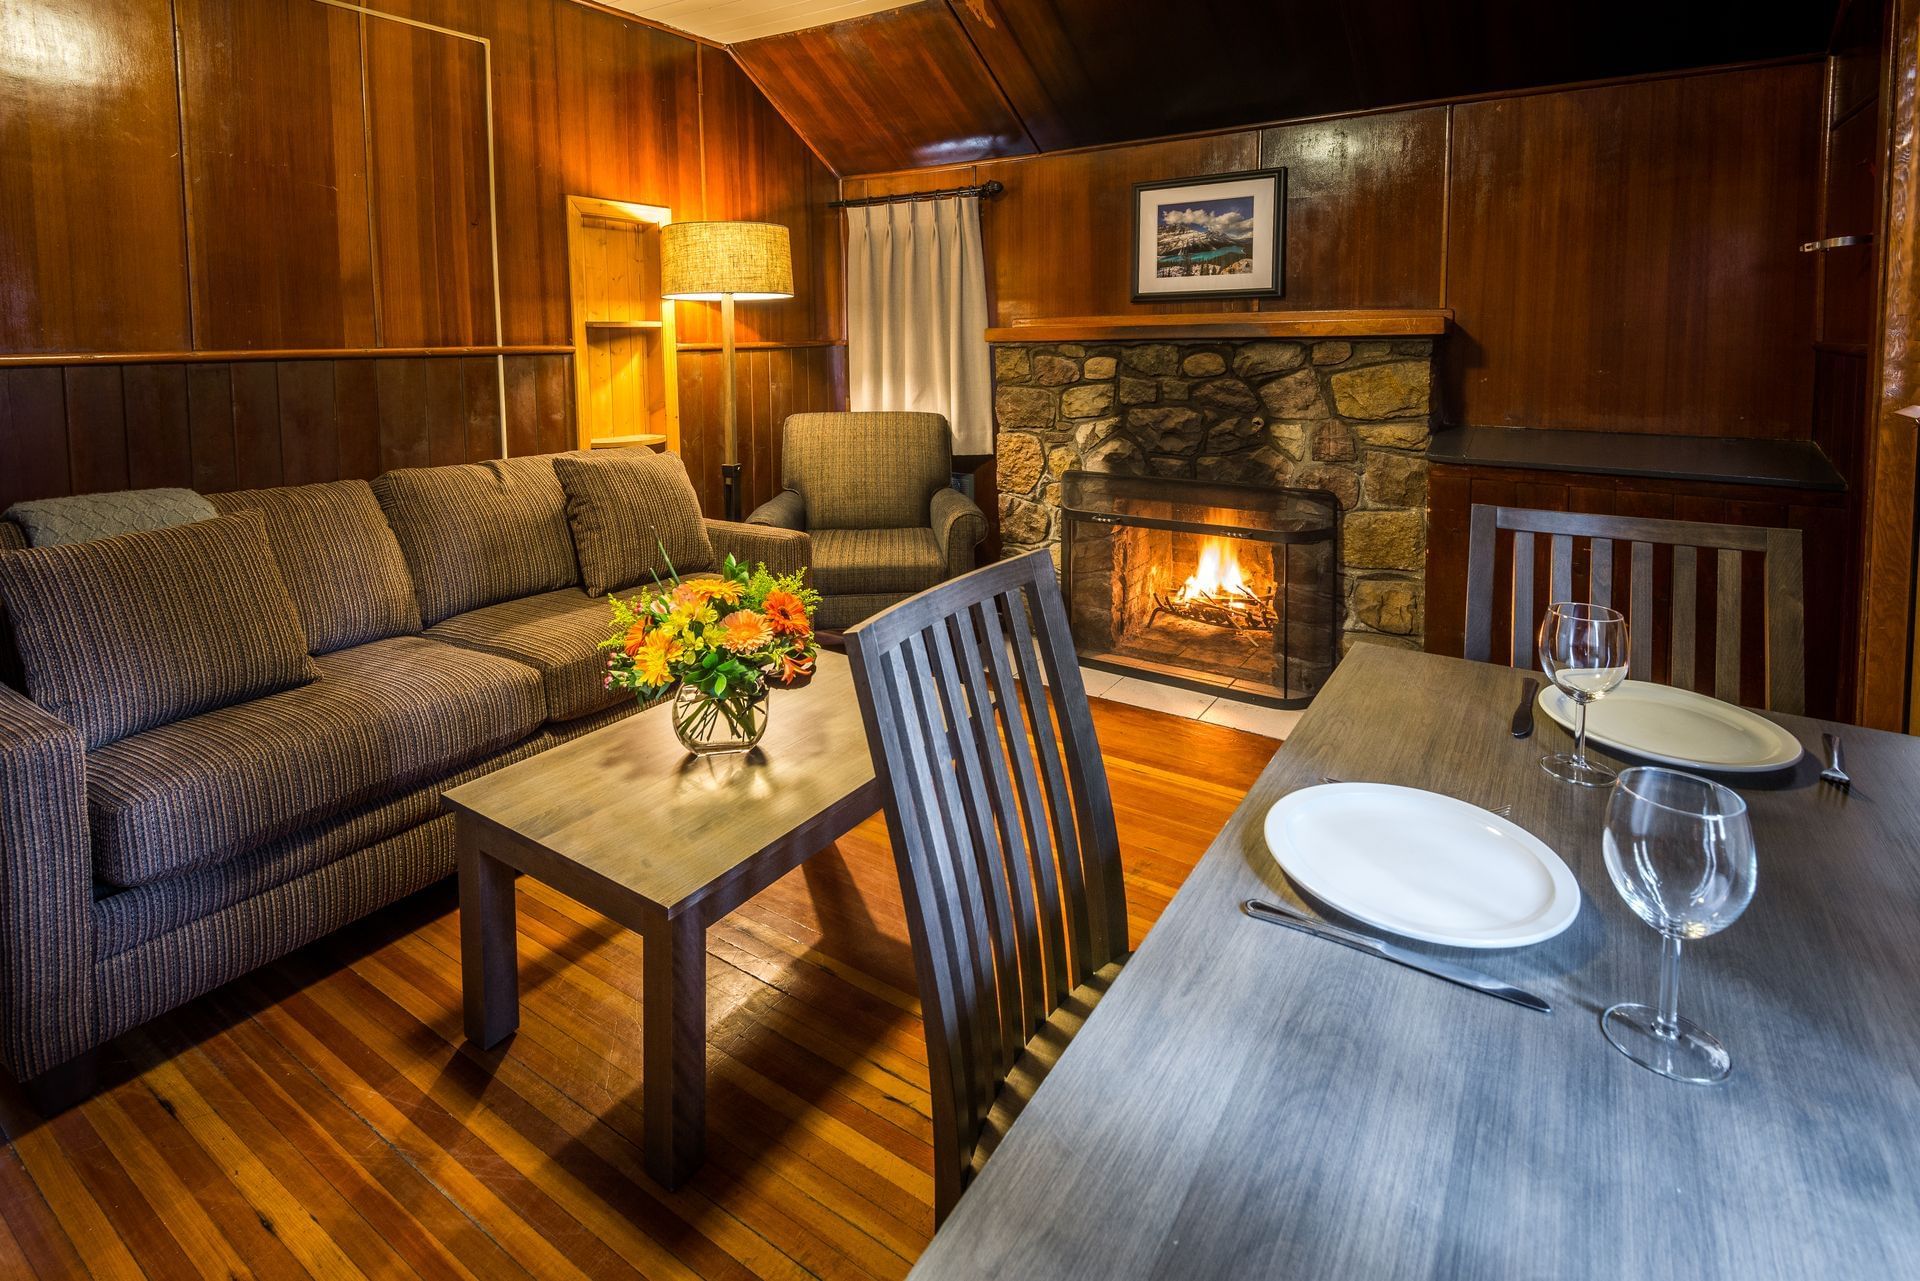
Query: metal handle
{"points": [[1835, 242]]}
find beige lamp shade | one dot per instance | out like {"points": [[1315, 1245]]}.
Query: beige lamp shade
{"points": [[707, 260]]}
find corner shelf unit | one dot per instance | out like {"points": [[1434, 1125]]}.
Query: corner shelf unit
{"points": [[625, 372]]}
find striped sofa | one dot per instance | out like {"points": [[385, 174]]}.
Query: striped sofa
{"points": [[448, 634]]}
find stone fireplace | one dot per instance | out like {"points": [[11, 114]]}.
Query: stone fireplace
{"points": [[1350, 417]]}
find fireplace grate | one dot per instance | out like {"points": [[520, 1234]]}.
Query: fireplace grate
{"points": [[1221, 587]]}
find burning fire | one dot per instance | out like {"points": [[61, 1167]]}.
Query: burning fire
{"points": [[1218, 591], [1218, 574]]}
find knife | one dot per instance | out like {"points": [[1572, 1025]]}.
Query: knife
{"points": [[1523, 714], [1293, 919]]}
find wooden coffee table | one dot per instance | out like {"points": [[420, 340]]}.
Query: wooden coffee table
{"points": [[626, 822]]}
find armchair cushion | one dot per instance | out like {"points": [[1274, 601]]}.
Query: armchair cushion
{"points": [[125, 634], [851, 562], [635, 518], [866, 470]]}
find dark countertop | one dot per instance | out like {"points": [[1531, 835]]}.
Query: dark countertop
{"points": [[1782, 464]]}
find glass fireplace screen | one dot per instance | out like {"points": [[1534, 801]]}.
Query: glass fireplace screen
{"points": [[1211, 585]]}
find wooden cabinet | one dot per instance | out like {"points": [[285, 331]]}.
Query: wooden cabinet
{"points": [[624, 356]]}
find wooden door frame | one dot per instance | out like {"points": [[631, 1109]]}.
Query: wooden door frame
{"points": [[581, 207], [1887, 616]]}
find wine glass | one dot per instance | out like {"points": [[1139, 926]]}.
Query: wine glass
{"points": [[1680, 851], [1583, 649]]}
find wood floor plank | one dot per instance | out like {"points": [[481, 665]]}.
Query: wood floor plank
{"points": [[325, 1116]]}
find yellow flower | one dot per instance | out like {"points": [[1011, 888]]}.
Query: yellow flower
{"points": [[744, 631], [654, 661]]}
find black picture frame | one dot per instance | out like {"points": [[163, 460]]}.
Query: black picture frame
{"points": [[1266, 255]]}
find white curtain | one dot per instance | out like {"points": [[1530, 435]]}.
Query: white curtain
{"points": [[917, 314]]}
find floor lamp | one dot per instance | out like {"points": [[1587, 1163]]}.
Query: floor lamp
{"points": [[723, 262]]}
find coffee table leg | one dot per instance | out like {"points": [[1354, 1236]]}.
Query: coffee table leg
{"points": [[489, 954], [675, 1059]]}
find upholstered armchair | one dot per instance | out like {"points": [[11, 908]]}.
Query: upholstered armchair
{"points": [[875, 493]]}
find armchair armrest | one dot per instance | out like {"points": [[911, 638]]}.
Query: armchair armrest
{"points": [[786, 510], [47, 1012], [785, 551], [958, 526]]}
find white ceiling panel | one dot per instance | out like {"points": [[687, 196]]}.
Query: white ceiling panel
{"points": [[734, 21]]}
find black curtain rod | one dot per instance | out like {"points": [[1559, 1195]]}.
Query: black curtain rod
{"points": [[985, 190]]}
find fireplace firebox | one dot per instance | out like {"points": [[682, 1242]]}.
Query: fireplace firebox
{"points": [[1213, 586]]}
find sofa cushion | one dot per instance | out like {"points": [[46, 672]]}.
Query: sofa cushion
{"points": [[381, 718], [340, 561], [558, 634], [478, 533], [123, 634], [635, 518], [60, 522], [866, 470], [859, 561]]}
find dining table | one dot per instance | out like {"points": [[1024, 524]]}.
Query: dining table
{"points": [[1250, 1101]]}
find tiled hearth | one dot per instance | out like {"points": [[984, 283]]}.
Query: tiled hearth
{"points": [[1351, 417]]}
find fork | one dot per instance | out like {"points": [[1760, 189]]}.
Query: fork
{"points": [[1498, 811], [1835, 773]]}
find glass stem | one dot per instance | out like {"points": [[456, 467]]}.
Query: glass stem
{"points": [[1668, 1022], [1580, 733]]}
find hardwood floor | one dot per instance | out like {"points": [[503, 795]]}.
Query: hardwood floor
{"points": [[325, 1117]]}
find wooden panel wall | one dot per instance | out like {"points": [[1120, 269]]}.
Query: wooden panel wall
{"points": [[1619, 257], [90, 168], [1626, 258], [299, 178], [220, 425]]}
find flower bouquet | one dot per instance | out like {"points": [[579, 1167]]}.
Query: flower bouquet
{"points": [[724, 641]]}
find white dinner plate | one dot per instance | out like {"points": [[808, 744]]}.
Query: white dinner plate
{"points": [[1679, 727], [1422, 865]]}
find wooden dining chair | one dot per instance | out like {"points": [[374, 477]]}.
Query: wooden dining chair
{"points": [[1662, 588], [996, 799]]}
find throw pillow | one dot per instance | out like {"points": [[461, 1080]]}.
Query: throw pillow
{"points": [[122, 634], [635, 517], [59, 522]]}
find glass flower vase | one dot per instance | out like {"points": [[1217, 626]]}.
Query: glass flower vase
{"points": [[709, 726]]}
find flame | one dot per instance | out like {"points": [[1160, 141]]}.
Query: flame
{"points": [[1218, 574]]}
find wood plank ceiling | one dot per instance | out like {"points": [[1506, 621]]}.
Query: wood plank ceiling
{"points": [[955, 81]]}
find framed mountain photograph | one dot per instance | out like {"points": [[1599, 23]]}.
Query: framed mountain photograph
{"points": [[1222, 236]]}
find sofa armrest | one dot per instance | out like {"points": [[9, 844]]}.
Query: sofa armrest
{"points": [[784, 551], [47, 1012], [958, 526], [785, 510]]}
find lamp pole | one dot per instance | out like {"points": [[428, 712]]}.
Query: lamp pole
{"points": [[730, 468]]}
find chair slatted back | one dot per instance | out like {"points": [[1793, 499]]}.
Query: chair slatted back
{"points": [[1002, 824], [1669, 566]]}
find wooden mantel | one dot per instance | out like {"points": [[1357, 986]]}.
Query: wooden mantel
{"points": [[1199, 325]]}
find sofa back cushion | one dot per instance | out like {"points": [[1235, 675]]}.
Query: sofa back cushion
{"points": [[61, 522], [635, 518], [124, 634], [867, 470], [341, 564], [478, 533]]}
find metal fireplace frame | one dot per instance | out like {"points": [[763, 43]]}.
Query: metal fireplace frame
{"points": [[1189, 485]]}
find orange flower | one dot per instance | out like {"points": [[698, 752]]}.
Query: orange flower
{"points": [[724, 590], [636, 636], [792, 668], [688, 596], [788, 615], [744, 631]]}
